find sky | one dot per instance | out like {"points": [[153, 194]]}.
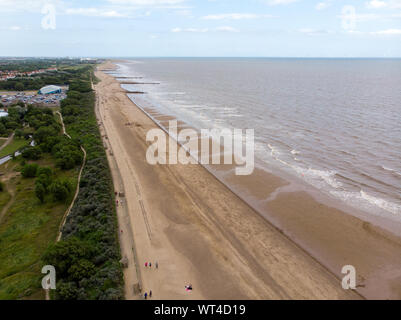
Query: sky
{"points": [[200, 28]]}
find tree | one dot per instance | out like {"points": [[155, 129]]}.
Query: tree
{"points": [[59, 190], [19, 86], [66, 253], [29, 170], [42, 133], [81, 269], [45, 171], [67, 291], [19, 133], [3, 129], [32, 153], [40, 192]]}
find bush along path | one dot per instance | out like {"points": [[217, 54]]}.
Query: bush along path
{"points": [[87, 256], [79, 180]]}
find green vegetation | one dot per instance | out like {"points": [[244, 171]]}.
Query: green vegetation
{"points": [[87, 258], [14, 146], [67, 70], [4, 196], [29, 219], [13, 121], [28, 227]]}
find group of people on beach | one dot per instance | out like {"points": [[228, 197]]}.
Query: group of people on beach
{"points": [[149, 265], [146, 295], [118, 201]]}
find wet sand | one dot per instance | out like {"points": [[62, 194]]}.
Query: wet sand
{"points": [[203, 233]]}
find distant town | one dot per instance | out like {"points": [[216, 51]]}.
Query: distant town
{"points": [[12, 74]]}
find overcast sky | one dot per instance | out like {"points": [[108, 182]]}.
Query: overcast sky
{"points": [[270, 28]]}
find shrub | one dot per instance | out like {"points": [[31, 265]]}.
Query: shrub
{"points": [[29, 170], [40, 191], [60, 190], [32, 153]]}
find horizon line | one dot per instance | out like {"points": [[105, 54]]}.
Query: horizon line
{"points": [[191, 57]]}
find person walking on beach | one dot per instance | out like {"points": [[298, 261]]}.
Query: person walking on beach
{"points": [[146, 295], [157, 265], [150, 294], [150, 264], [146, 264]]}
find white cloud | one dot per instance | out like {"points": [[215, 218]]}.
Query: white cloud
{"points": [[375, 4], [190, 30], [280, 2], [323, 5], [235, 16], [227, 29], [363, 17], [204, 30], [313, 32], [390, 32], [94, 12], [379, 4], [147, 3], [25, 5]]}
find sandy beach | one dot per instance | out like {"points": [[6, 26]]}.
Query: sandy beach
{"points": [[200, 232]]}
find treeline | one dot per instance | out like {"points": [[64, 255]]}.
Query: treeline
{"points": [[87, 257], [35, 82], [26, 65]]}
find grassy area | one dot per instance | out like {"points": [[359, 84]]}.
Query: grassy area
{"points": [[4, 198], [2, 141], [14, 146], [26, 231]]}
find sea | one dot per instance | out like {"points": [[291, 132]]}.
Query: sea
{"points": [[334, 124]]}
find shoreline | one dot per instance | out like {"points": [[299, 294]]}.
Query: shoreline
{"points": [[302, 229]]}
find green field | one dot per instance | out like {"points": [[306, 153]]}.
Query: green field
{"points": [[14, 146], [26, 230]]}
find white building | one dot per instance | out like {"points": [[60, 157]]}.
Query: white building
{"points": [[50, 89]]}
